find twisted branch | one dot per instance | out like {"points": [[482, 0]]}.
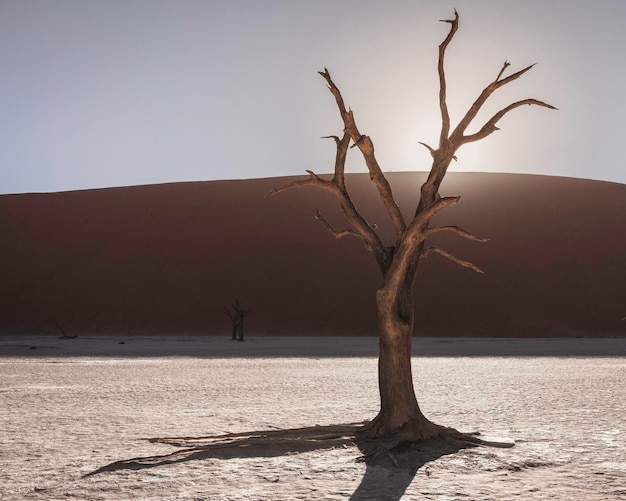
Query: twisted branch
{"points": [[331, 230], [454, 229], [340, 158], [458, 138], [490, 126], [313, 180], [436, 250], [443, 106], [365, 145], [409, 250], [337, 187]]}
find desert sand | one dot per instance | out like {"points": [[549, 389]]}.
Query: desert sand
{"points": [[166, 259], [81, 426]]}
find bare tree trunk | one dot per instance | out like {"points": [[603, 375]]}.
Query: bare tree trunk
{"points": [[235, 331], [400, 416], [240, 330]]}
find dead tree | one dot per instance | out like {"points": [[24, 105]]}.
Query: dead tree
{"points": [[63, 333], [400, 418], [236, 317]]}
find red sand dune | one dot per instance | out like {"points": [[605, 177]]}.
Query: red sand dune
{"points": [[166, 259]]}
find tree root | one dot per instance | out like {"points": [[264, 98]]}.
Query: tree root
{"points": [[410, 444], [384, 451], [400, 450]]}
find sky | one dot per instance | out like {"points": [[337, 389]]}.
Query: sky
{"points": [[108, 93]]}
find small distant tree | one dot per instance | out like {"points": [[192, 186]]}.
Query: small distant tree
{"points": [[236, 314], [64, 335], [400, 418]]}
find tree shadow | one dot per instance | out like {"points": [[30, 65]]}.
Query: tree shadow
{"points": [[389, 470], [265, 443], [397, 468]]}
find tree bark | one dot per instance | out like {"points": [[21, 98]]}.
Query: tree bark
{"points": [[400, 417]]}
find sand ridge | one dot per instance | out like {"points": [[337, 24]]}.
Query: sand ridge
{"points": [[166, 259]]}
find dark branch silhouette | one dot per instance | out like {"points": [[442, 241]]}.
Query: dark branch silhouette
{"points": [[236, 314]]}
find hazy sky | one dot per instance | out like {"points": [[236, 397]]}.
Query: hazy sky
{"points": [[124, 92]]}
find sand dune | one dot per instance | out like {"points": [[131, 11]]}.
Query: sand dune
{"points": [[166, 259]]}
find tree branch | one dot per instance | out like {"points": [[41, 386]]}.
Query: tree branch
{"points": [[437, 250], [409, 250], [444, 154], [364, 143], [499, 83], [332, 231], [340, 158], [422, 219], [418, 227], [361, 228], [313, 180], [504, 67], [457, 136], [429, 148], [490, 126], [443, 106], [454, 229], [230, 315], [433, 152]]}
